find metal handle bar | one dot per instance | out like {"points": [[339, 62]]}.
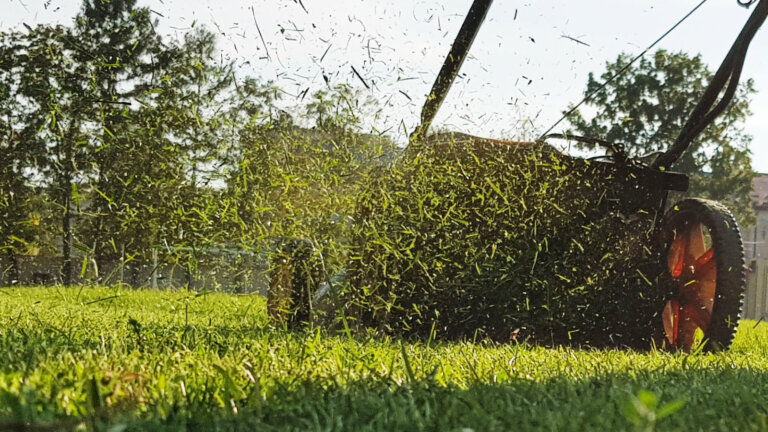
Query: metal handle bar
{"points": [[618, 153], [452, 64], [727, 74]]}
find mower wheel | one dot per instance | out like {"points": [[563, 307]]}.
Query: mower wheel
{"points": [[294, 278], [704, 276]]}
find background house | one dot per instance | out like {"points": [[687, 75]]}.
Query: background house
{"points": [[756, 253]]}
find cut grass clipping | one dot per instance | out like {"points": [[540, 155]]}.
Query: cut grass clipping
{"points": [[104, 359], [464, 238]]}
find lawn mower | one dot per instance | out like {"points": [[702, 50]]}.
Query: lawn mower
{"points": [[684, 261]]}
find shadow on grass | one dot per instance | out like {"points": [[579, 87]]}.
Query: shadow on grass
{"points": [[703, 399], [710, 395]]}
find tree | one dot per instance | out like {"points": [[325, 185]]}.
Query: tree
{"points": [[47, 117], [289, 181], [124, 59], [15, 191], [155, 156], [113, 124], [646, 108]]}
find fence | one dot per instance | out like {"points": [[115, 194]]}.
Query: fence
{"points": [[219, 270], [756, 300], [240, 272]]}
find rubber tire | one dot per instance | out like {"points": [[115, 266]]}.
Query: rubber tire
{"points": [[294, 277], [730, 264]]}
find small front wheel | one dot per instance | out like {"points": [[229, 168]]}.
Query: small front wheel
{"points": [[704, 276]]}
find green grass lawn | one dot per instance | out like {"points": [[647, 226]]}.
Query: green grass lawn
{"points": [[108, 360]]}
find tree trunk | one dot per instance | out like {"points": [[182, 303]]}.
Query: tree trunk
{"points": [[65, 185]]}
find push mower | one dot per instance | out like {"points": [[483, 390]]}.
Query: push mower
{"points": [[686, 260]]}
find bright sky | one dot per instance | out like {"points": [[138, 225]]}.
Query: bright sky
{"points": [[523, 70]]}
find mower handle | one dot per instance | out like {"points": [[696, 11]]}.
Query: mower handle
{"points": [[452, 64], [726, 77]]}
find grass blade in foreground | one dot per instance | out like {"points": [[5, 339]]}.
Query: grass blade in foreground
{"points": [[183, 361]]}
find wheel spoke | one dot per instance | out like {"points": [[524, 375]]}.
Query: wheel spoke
{"points": [[675, 259], [700, 292], [707, 288], [693, 267], [671, 318], [696, 244], [705, 258], [698, 317], [686, 331], [691, 318]]}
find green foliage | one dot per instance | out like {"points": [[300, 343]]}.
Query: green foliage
{"points": [[466, 237], [108, 359], [294, 182], [72, 88], [645, 109], [643, 410], [137, 144]]}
